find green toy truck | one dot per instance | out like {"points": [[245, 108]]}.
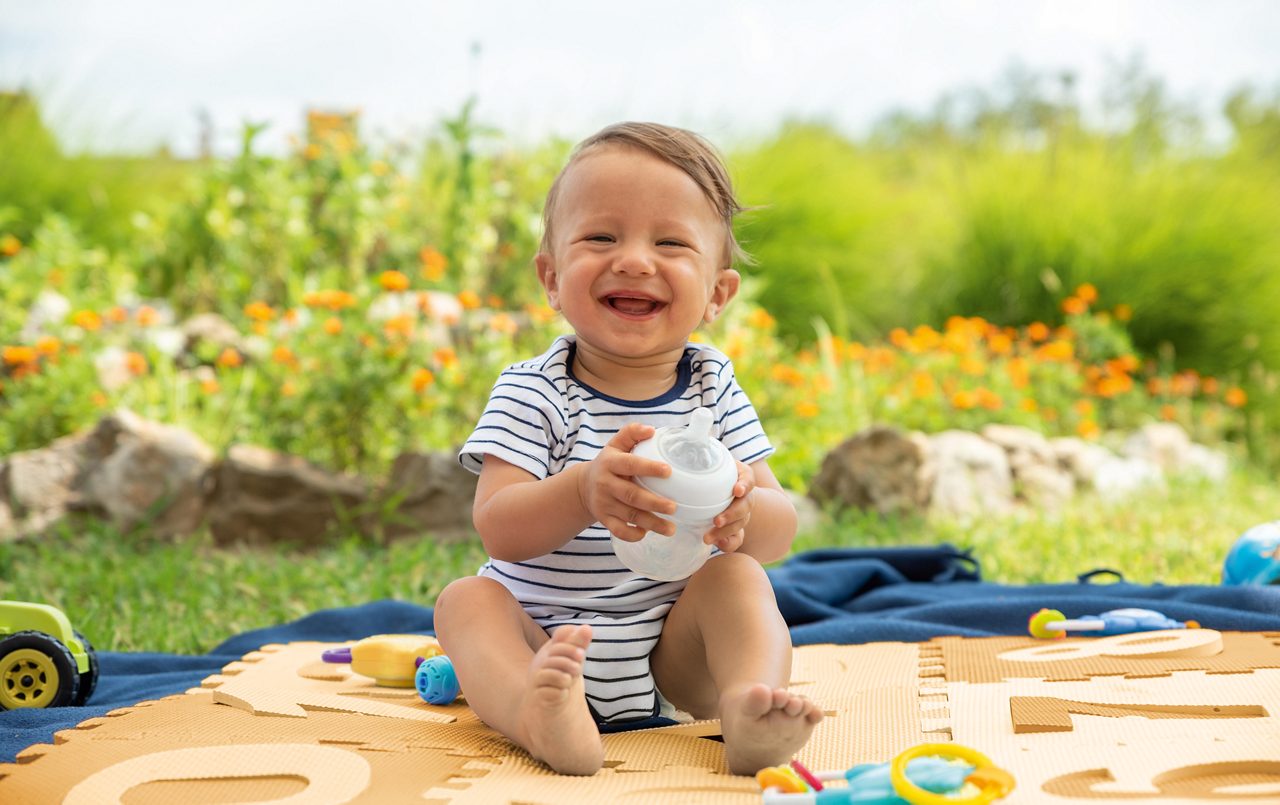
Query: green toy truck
{"points": [[43, 661]]}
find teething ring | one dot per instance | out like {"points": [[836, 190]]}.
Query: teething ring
{"points": [[992, 782]]}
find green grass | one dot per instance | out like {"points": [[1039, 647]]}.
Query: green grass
{"points": [[130, 592]]}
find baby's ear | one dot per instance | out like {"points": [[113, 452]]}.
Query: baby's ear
{"points": [[726, 287], [547, 276]]}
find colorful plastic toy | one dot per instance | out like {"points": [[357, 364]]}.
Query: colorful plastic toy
{"points": [[43, 661], [1051, 624], [1255, 557], [923, 775], [436, 681], [391, 659]]}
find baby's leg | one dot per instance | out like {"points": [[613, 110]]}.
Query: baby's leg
{"points": [[517, 680], [725, 652]]}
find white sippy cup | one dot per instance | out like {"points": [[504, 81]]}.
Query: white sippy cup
{"points": [[701, 483]]}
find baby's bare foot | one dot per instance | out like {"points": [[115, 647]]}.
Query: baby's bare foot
{"points": [[558, 728], [764, 726]]}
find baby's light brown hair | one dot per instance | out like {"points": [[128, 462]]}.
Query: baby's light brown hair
{"points": [[685, 150]]}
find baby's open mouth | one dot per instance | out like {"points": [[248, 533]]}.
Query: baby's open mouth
{"points": [[632, 305]]}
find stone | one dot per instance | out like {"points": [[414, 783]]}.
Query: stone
{"points": [[1212, 465], [881, 468], [427, 493], [1164, 444], [213, 330], [1037, 475], [157, 474], [1082, 459], [263, 497], [1119, 477], [125, 468], [972, 475]]}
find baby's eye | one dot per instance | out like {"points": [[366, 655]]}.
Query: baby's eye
{"points": [[600, 238], [670, 242]]}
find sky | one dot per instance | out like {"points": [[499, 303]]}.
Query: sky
{"points": [[131, 75]]}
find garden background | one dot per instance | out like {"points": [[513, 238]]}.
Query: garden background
{"points": [[1002, 257]]}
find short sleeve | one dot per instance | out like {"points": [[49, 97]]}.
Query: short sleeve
{"points": [[521, 424], [737, 424]]}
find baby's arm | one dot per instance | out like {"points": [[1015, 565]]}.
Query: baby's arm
{"points": [[520, 517], [761, 521]]}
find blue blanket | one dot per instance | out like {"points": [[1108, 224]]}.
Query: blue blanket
{"points": [[827, 596]]}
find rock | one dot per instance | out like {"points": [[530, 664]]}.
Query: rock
{"points": [[972, 475], [212, 330], [808, 515], [125, 468], [1080, 458], [1036, 472], [1209, 464], [265, 497], [7, 526], [1118, 477], [880, 468], [1164, 444], [434, 494], [159, 474]]}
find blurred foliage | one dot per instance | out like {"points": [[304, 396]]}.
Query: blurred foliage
{"points": [[375, 288]]}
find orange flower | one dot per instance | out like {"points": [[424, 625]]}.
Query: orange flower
{"points": [[394, 281], [1209, 386], [1074, 306], [1019, 372], [923, 385], [495, 301], [786, 373], [401, 326], [1168, 413], [433, 263], [1235, 397], [312, 152], [760, 319], [541, 312], [230, 358], [334, 300], [806, 410], [210, 385], [98, 399], [1115, 385], [259, 311], [964, 399], [1087, 293], [422, 380], [855, 351], [10, 245], [87, 320], [148, 316], [1056, 351], [973, 366], [901, 339], [1000, 344], [445, 357], [136, 363], [1037, 331], [989, 400], [469, 300], [1122, 312], [1088, 429], [48, 346], [17, 356], [332, 325], [1155, 386], [284, 356], [1083, 407], [1029, 405], [926, 338], [259, 328], [288, 389], [503, 323], [117, 315]]}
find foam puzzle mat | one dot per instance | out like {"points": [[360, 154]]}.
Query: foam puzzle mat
{"points": [[1156, 717]]}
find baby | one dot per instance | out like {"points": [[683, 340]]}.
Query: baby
{"points": [[554, 635]]}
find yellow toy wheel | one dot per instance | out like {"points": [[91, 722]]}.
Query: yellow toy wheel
{"points": [[36, 670], [992, 782], [1036, 625]]}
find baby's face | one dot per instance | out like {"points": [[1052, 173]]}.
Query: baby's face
{"points": [[637, 254]]}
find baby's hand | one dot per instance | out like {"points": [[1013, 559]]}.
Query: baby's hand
{"points": [[608, 489], [730, 527]]}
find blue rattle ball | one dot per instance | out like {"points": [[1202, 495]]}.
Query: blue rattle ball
{"points": [[436, 681], [1255, 557]]}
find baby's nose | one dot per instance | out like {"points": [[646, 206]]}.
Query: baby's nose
{"points": [[636, 260]]}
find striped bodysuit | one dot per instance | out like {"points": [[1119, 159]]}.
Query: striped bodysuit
{"points": [[543, 419]]}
